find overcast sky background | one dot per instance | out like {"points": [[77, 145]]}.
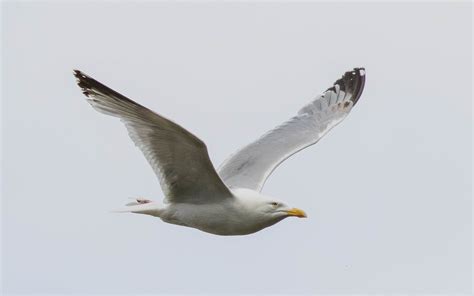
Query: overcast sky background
{"points": [[388, 192]]}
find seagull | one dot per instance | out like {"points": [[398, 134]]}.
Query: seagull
{"points": [[227, 201]]}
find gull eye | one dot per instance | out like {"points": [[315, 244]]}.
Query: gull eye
{"points": [[274, 203]]}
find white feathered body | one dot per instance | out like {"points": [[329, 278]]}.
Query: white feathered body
{"points": [[234, 216]]}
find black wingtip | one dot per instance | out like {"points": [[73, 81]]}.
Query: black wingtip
{"points": [[78, 74], [91, 87], [359, 86], [83, 81], [352, 82]]}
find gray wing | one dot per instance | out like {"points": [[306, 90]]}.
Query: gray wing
{"points": [[179, 159], [251, 166]]}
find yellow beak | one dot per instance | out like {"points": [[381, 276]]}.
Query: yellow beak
{"points": [[296, 212]]}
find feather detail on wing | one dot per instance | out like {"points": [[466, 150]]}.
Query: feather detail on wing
{"points": [[179, 159], [251, 166]]}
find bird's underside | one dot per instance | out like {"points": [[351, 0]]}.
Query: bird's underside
{"points": [[227, 201]]}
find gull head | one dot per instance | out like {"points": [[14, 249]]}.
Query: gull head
{"points": [[279, 210], [263, 211], [259, 204]]}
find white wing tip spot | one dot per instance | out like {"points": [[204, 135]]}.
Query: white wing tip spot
{"points": [[361, 72]]}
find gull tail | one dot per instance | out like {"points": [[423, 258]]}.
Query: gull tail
{"points": [[141, 206]]}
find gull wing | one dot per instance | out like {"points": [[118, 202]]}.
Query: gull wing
{"points": [[179, 159], [251, 166]]}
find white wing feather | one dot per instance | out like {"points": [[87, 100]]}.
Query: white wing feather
{"points": [[179, 159], [251, 166]]}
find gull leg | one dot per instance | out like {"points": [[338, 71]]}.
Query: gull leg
{"points": [[142, 200]]}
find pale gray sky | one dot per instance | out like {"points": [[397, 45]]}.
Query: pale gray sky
{"points": [[388, 192]]}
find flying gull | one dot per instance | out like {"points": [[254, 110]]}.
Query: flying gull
{"points": [[227, 201]]}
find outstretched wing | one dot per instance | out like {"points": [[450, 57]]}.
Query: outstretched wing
{"points": [[251, 166], [179, 159]]}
